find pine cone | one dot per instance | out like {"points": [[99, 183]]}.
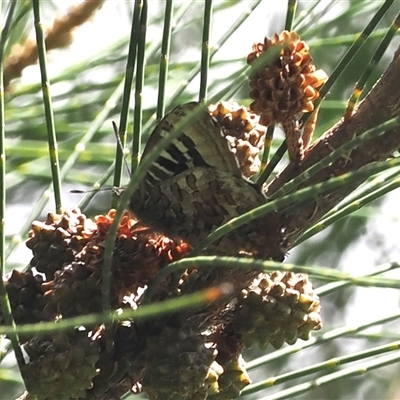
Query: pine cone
{"points": [[234, 377], [26, 297], [288, 84], [138, 256], [233, 380], [75, 290], [55, 242], [178, 364], [243, 132], [277, 308], [61, 367]]}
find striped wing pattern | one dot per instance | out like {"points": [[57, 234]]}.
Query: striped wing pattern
{"points": [[196, 185], [201, 144]]}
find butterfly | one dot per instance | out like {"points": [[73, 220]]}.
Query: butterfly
{"points": [[195, 185]]}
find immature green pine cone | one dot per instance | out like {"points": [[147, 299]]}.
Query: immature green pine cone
{"points": [[178, 364], [61, 367], [277, 308]]}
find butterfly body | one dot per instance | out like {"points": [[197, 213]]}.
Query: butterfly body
{"points": [[197, 201], [196, 185]]}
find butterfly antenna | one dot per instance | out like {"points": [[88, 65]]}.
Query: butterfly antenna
{"points": [[116, 190], [78, 191], [121, 147]]}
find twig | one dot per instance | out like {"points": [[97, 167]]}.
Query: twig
{"points": [[59, 35]]}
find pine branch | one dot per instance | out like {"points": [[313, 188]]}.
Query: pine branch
{"points": [[381, 104]]}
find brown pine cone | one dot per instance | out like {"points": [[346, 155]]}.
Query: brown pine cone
{"points": [[56, 242], [286, 85], [139, 255], [26, 297], [75, 290]]}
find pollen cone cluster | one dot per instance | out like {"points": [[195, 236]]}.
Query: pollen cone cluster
{"points": [[243, 133], [277, 308], [285, 84]]}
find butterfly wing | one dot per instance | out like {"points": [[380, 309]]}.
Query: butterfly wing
{"points": [[200, 144]]}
